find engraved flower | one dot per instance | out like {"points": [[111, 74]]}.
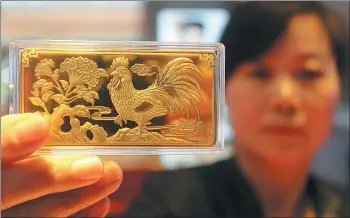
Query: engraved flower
{"points": [[44, 67], [82, 71]]}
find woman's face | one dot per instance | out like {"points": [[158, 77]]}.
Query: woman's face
{"points": [[281, 106]]}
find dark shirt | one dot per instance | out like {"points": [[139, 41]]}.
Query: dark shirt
{"points": [[219, 191]]}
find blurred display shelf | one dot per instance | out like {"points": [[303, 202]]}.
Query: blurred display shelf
{"points": [[72, 20], [17, 5]]}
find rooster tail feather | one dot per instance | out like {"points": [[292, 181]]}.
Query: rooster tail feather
{"points": [[180, 66], [178, 85], [164, 97], [190, 100], [174, 63], [188, 82], [188, 89], [189, 69]]}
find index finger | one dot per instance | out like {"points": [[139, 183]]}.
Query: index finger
{"points": [[21, 135]]}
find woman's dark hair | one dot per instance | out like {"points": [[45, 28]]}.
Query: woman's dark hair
{"points": [[255, 26]]}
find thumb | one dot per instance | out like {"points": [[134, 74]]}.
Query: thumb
{"points": [[21, 135]]}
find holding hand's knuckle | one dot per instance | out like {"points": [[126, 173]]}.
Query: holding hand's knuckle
{"points": [[9, 140], [43, 172], [65, 204]]}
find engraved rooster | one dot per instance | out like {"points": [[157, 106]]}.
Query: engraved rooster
{"points": [[175, 88]]}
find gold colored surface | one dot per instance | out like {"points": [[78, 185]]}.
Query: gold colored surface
{"points": [[122, 98]]}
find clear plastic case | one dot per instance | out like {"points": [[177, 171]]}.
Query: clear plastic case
{"points": [[108, 98]]}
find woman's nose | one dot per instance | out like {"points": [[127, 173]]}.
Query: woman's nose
{"points": [[285, 109], [286, 97]]}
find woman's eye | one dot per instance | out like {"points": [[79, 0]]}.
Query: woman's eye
{"points": [[309, 75], [261, 74]]}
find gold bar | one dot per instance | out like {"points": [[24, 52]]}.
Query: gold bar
{"points": [[122, 97]]}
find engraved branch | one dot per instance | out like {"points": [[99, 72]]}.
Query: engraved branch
{"points": [[83, 75]]}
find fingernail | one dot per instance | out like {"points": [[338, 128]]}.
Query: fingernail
{"points": [[87, 168], [117, 168], [31, 127]]}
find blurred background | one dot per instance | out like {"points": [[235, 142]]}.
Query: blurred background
{"points": [[161, 21]]}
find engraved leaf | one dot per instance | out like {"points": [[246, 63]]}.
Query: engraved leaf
{"points": [[36, 92], [102, 73], [89, 98], [58, 98], [81, 111], [47, 96], [40, 83], [93, 94], [64, 84], [48, 86], [36, 101]]}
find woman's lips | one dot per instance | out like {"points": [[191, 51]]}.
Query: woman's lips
{"points": [[285, 130], [284, 126]]}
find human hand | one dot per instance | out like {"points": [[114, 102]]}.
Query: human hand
{"points": [[50, 186]]}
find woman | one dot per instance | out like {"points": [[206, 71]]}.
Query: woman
{"points": [[282, 90]]}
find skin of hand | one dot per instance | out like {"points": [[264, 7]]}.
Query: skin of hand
{"points": [[50, 186]]}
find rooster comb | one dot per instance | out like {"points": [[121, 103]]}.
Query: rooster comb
{"points": [[120, 61]]}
